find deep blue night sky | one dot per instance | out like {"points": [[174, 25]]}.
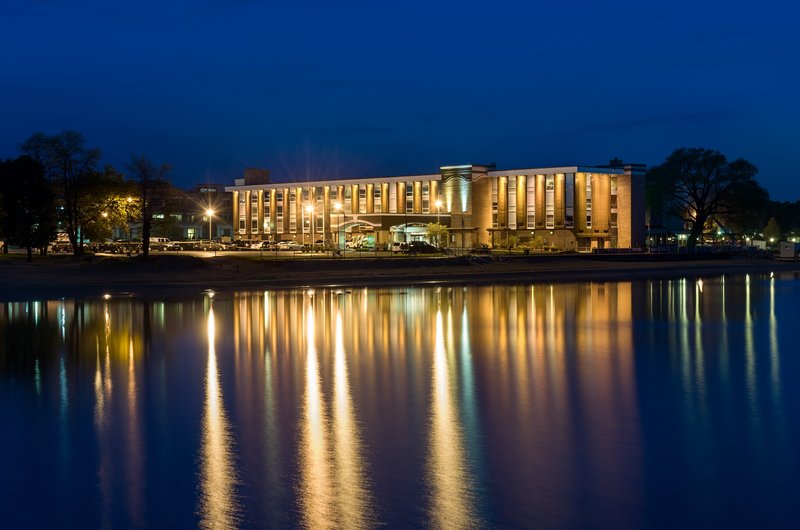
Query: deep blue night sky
{"points": [[356, 88]]}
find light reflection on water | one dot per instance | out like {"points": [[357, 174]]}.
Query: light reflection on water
{"points": [[633, 404], [219, 507]]}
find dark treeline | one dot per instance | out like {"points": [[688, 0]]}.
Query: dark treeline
{"points": [[712, 197], [55, 186]]}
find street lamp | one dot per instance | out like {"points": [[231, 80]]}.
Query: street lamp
{"points": [[310, 211], [128, 211], [438, 204], [210, 213]]}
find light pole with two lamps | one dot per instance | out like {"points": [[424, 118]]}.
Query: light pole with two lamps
{"points": [[338, 207], [310, 212]]}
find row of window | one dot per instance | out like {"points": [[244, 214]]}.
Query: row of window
{"points": [[377, 206], [549, 201]]}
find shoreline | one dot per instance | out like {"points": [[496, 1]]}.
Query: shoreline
{"points": [[55, 277]]}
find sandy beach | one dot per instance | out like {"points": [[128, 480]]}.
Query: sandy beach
{"points": [[167, 275]]}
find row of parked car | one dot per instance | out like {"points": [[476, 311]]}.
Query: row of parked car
{"points": [[164, 244]]}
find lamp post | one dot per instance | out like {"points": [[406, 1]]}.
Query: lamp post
{"points": [[310, 212], [129, 200], [210, 214], [438, 204], [338, 207]]}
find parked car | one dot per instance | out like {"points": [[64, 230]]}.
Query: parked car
{"points": [[420, 247], [207, 244], [61, 246], [267, 245], [290, 245], [186, 245], [245, 244], [482, 248], [162, 243], [398, 247]]}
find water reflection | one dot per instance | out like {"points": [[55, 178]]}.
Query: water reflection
{"points": [[351, 480], [219, 507], [452, 498], [334, 487], [662, 403], [316, 488]]}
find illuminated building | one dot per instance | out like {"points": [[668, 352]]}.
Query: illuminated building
{"points": [[573, 207]]}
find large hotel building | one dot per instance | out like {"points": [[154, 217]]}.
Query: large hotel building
{"points": [[573, 208]]}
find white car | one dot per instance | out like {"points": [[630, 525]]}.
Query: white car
{"points": [[290, 245]]}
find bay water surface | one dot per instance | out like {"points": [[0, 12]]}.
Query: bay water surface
{"points": [[646, 404]]}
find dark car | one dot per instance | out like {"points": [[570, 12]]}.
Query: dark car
{"points": [[420, 247], [243, 244], [481, 249]]}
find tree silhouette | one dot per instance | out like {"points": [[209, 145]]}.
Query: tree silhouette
{"points": [[68, 165], [700, 184], [27, 203], [151, 185]]}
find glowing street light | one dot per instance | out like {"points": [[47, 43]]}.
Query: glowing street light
{"points": [[438, 204], [210, 213]]}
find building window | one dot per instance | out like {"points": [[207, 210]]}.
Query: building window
{"points": [[613, 216], [426, 197], [267, 211], [588, 201], [242, 222], [512, 203], [254, 212], [292, 212], [494, 202], [319, 208], [393, 198], [569, 200], [376, 199], [279, 212], [531, 201], [362, 199], [409, 197], [348, 200], [550, 201]]}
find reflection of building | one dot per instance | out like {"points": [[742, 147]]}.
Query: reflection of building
{"points": [[573, 207]]}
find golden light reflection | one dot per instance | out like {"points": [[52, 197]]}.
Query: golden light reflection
{"points": [[316, 488], [219, 507], [749, 347], [135, 451], [774, 354], [351, 482], [452, 500]]}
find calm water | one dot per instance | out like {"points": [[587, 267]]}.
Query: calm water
{"points": [[662, 404]]}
